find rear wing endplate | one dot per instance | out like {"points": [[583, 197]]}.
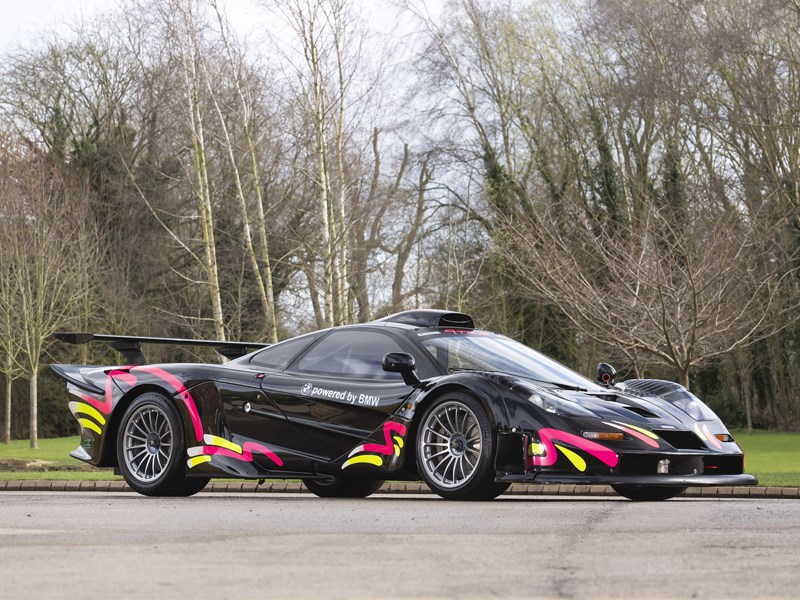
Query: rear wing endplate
{"points": [[131, 346]]}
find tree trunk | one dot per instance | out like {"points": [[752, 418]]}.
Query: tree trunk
{"points": [[34, 416], [7, 424], [684, 376]]}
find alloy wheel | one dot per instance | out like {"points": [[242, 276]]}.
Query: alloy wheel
{"points": [[451, 444], [147, 443]]}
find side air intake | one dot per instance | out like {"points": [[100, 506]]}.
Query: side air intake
{"points": [[431, 318]]}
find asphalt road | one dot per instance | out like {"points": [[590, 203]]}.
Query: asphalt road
{"points": [[76, 545]]}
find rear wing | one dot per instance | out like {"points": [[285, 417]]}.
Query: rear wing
{"points": [[131, 346]]}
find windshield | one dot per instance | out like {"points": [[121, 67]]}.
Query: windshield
{"points": [[457, 350]]}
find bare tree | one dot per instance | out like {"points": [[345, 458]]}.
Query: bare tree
{"points": [[51, 246], [683, 297], [259, 259], [10, 332]]}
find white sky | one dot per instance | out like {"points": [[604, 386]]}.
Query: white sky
{"points": [[22, 21]]}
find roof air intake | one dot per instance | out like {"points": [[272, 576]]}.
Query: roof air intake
{"points": [[432, 318]]}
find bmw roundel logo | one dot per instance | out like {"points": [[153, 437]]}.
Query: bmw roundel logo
{"points": [[306, 389]]}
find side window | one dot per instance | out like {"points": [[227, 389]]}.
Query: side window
{"points": [[280, 355], [351, 353]]}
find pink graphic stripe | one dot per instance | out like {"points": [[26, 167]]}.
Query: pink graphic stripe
{"points": [[601, 453], [247, 452], [104, 406], [388, 447], [176, 384]]}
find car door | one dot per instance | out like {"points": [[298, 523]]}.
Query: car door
{"points": [[336, 392], [251, 413]]}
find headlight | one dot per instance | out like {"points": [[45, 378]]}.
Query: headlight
{"points": [[558, 406], [691, 405]]}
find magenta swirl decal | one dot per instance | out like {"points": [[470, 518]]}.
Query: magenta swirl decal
{"points": [[392, 445], [548, 453], [222, 447]]}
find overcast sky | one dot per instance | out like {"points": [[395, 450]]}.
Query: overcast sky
{"points": [[21, 21]]}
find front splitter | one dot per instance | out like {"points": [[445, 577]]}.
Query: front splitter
{"points": [[654, 480]]}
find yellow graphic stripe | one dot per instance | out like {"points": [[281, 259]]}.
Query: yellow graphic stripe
{"points": [[198, 460], [213, 440], [537, 449], [370, 459], [647, 432], [87, 424], [398, 440], [574, 458], [87, 409]]}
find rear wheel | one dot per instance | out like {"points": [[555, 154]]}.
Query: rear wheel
{"points": [[648, 493], [455, 449], [343, 488], [151, 448]]}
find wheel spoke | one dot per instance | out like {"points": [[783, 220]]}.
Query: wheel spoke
{"points": [[471, 464], [445, 451], [436, 433], [442, 425], [447, 415], [453, 464], [463, 427]]}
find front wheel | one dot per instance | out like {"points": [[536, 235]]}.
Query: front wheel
{"points": [[455, 449], [648, 493], [151, 447], [343, 488]]}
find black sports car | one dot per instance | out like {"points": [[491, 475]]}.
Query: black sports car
{"points": [[420, 394]]}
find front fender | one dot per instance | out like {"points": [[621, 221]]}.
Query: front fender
{"points": [[486, 388]]}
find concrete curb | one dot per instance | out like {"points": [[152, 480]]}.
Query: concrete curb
{"points": [[397, 487]]}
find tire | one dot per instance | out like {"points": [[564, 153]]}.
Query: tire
{"points": [[151, 448], [455, 449], [648, 493], [343, 488]]}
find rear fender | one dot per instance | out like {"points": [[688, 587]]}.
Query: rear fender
{"points": [[103, 396]]}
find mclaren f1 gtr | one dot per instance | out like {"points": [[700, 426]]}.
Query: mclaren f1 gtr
{"points": [[421, 394]]}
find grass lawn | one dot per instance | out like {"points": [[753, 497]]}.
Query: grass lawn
{"points": [[53, 455], [55, 450], [772, 457]]}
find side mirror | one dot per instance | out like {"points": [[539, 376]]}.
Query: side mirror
{"points": [[606, 374], [403, 363]]}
